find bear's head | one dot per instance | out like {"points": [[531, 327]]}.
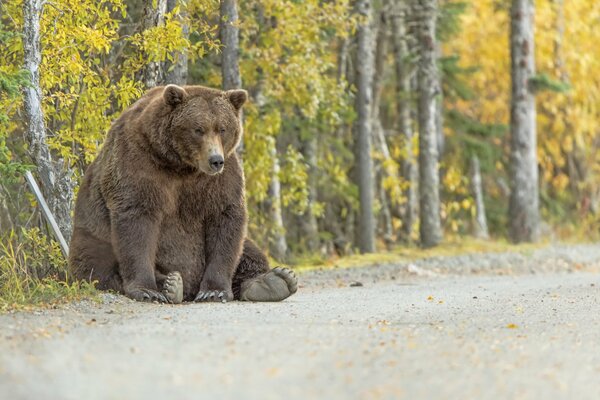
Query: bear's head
{"points": [[204, 125]]}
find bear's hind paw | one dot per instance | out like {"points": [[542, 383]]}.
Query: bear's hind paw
{"points": [[274, 285]]}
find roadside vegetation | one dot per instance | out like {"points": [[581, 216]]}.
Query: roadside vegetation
{"points": [[376, 131]]}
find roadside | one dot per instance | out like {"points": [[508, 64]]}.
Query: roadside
{"points": [[505, 325]]}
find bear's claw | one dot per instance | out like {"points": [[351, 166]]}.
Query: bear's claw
{"points": [[274, 285], [211, 295], [173, 288], [147, 295]]}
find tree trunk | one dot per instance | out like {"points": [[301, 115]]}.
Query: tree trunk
{"points": [[439, 109], [384, 167], [277, 242], [230, 68], [55, 177], [429, 88], [308, 222], [230, 56], [403, 91], [480, 227], [177, 72], [524, 219], [362, 143], [6, 219], [153, 73]]}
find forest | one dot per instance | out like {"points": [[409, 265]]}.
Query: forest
{"points": [[371, 125]]}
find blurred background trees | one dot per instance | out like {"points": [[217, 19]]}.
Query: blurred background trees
{"points": [[370, 123]]}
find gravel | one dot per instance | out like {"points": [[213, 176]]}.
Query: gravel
{"points": [[485, 326], [552, 259]]}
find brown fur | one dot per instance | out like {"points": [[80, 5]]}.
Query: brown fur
{"points": [[150, 203]]}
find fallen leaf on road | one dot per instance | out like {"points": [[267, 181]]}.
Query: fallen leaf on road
{"points": [[512, 326]]}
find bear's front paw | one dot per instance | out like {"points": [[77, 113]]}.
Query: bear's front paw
{"points": [[222, 296], [148, 295]]}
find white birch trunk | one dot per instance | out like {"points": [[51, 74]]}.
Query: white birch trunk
{"points": [[55, 177], [230, 55], [480, 229], [403, 92], [308, 221], [365, 65], [177, 72], [524, 218], [429, 88], [230, 33], [153, 73], [383, 168], [278, 244]]}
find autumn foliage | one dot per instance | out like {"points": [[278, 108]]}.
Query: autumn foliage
{"points": [[297, 61]]}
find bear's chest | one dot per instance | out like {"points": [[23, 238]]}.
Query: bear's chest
{"points": [[182, 231]]}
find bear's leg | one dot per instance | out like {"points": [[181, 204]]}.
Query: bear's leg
{"points": [[171, 285], [255, 281], [92, 260]]}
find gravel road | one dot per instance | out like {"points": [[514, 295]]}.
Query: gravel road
{"points": [[486, 326]]}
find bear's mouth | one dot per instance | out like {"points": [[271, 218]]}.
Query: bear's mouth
{"points": [[206, 169]]}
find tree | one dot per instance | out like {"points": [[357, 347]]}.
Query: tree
{"points": [[365, 66], [230, 55], [429, 88], [524, 216], [177, 71], [308, 221], [55, 177], [385, 167], [480, 226], [153, 74], [277, 242], [230, 66], [404, 106]]}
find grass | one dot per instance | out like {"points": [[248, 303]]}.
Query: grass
{"points": [[451, 247], [33, 273]]}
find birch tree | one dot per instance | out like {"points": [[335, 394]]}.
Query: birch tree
{"points": [[54, 175], [480, 224], [429, 88], [230, 54], [153, 73], [230, 39], [384, 166], [177, 71], [365, 65], [277, 242], [308, 221], [524, 216], [404, 107]]}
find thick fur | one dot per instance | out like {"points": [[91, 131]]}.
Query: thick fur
{"points": [[150, 204]]}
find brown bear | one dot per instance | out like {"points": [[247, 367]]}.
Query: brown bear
{"points": [[161, 215]]}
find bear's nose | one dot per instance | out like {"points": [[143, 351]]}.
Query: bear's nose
{"points": [[216, 162]]}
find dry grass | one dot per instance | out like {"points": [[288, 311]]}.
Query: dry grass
{"points": [[33, 273], [451, 247]]}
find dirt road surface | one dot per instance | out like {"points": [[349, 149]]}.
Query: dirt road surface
{"points": [[499, 326]]}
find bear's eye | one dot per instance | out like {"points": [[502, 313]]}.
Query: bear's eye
{"points": [[222, 131], [199, 131]]}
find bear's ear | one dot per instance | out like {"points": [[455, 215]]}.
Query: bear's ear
{"points": [[237, 97], [174, 95]]}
